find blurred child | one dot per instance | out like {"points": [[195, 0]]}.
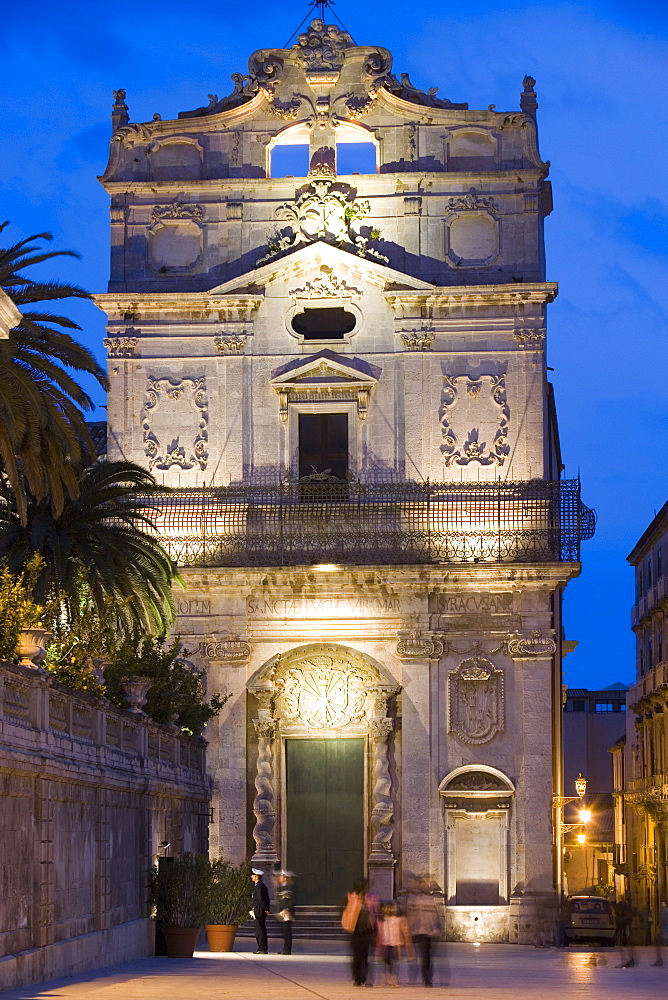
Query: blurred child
{"points": [[392, 940]]}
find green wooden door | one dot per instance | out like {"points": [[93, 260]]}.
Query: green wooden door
{"points": [[325, 817]]}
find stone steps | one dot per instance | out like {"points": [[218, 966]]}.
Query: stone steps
{"points": [[317, 923]]}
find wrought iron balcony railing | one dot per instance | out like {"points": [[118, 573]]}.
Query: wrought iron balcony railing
{"points": [[314, 521]]}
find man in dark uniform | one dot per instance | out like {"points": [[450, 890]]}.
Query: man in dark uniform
{"points": [[260, 911]]}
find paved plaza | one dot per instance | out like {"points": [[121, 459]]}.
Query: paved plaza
{"points": [[320, 970]]}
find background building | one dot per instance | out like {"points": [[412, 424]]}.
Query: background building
{"points": [[593, 722], [641, 768], [343, 374]]}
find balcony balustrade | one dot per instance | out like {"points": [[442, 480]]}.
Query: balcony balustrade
{"points": [[321, 520]]}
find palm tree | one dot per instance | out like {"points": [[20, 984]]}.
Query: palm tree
{"points": [[43, 434], [99, 548]]}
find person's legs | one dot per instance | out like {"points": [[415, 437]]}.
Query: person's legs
{"points": [[425, 956], [261, 934], [287, 937], [356, 957]]}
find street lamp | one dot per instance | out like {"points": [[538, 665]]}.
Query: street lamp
{"points": [[580, 785], [558, 802]]}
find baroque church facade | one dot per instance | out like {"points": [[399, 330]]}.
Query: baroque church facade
{"points": [[343, 378]]}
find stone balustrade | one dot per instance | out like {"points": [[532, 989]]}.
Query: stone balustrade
{"points": [[89, 793]]}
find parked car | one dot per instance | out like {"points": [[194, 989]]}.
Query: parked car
{"points": [[590, 918]]}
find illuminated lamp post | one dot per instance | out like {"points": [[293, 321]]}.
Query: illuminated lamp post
{"points": [[558, 802]]}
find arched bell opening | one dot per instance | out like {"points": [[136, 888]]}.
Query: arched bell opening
{"points": [[324, 803]]}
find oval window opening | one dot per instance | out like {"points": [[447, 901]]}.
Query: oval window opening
{"points": [[323, 324]]}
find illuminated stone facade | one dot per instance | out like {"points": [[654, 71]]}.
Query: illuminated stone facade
{"points": [[301, 356]]}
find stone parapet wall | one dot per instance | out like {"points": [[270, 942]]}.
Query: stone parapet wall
{"points": [[89, 792]]}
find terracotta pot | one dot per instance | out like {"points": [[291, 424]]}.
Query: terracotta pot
{"points": [[221, 936], [180, 941]]}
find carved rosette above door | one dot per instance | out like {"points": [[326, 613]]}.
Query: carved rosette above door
{"points": [[175, 423], [475, 420], [476, 711], [325, 690]]}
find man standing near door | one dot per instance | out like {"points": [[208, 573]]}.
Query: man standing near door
{"points": [[260, 911]]}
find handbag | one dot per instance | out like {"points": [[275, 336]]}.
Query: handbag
{"points": [[351, 912]]}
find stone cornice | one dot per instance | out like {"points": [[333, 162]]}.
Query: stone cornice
{"points": [[442, 183], [504, 577], [537, 292], [116, 304]]}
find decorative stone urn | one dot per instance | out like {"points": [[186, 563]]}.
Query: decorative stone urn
{"points": [[135, 690], [31, 646]]}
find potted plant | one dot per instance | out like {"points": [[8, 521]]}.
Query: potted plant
{"points": [[228, 902], [179, 889]]}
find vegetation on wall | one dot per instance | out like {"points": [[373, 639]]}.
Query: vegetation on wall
{"points": [[78, 550]]}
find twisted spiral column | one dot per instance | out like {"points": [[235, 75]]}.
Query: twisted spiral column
{"points": [[382, 813], [263, 803]]}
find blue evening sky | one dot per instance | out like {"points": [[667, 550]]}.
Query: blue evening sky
{"points": [[601, 72]]}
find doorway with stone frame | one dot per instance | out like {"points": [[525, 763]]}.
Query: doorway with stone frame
{"points": [[324, 803], [324, 816]]}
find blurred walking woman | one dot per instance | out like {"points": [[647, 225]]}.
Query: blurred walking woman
{"points": [[359, 920]]}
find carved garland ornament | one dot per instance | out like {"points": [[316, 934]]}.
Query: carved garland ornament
{"points": [[163, 429], [476, 701], [485, 407]]}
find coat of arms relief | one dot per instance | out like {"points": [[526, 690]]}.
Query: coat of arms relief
{"points": [[476, 701]]}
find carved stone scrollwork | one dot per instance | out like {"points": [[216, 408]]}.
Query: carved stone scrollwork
{"points": [[323, 694], [162, 448], [418, 340], [230, 648], [419, 646], [264, 802], [194, 213], [481, 404], [326, 285], [531, 647], [134, 135], [382, 813], [476, 701], [120, 347], [471, 202], [530, 337], [323, 210], [320, 51], [230, 344]]}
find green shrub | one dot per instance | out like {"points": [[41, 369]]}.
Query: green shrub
{"points": [[179, 890], [229, 892]]}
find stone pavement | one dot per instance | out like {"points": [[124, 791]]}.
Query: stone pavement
{"points": [[319, 971]]}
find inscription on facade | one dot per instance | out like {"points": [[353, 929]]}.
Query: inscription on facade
{"points": [[197, 606], [462, 604], [313, 606]]}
